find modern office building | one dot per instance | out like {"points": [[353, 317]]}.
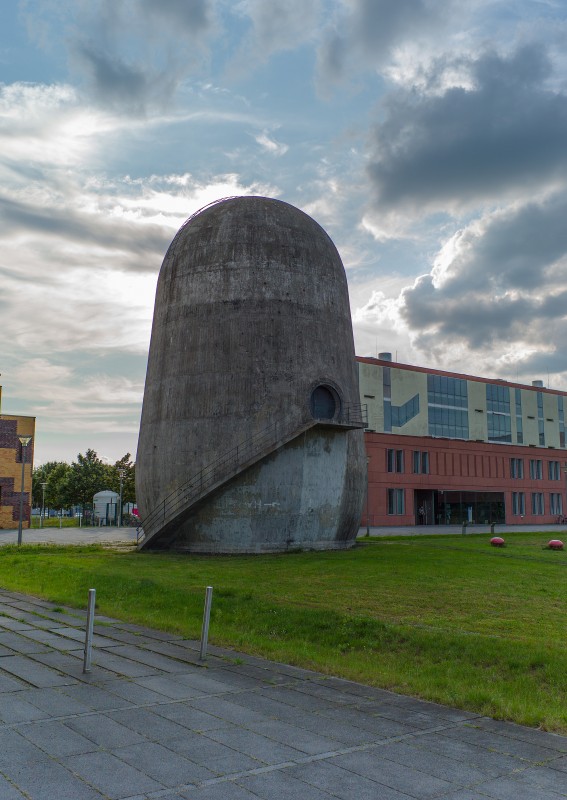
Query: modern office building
{"points": [[14, 432], [446, 448]]}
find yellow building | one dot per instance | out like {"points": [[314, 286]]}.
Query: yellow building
{"points": [[14, 430]]}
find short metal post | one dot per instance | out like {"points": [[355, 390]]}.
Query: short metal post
{"points": [[206, 618], [464, 528], [492, 524], [89, 632]]}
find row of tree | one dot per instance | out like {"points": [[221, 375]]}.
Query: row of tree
{"points": [[76, 484]]}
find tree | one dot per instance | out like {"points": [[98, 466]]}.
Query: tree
{"points": [[54, 474], [129, 480], [87, 476]]}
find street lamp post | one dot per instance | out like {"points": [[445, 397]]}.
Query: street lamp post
{"points": [[24, 441], [367, 495], [121, 474], [43, 487]]}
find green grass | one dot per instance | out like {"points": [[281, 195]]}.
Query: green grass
{"points": [[446, 618]]}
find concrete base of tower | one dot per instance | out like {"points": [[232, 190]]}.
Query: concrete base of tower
{"points": [[307, 495]]}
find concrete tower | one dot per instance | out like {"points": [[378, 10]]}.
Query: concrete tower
{"points": [[251, 438]]}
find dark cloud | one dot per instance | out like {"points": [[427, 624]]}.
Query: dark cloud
{"points": [[369, 29], [444, 151], [125, 86], [135, 53], [192, 15], [506, 283]]}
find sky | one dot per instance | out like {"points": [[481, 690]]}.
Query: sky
{"points": [[428, 138]]}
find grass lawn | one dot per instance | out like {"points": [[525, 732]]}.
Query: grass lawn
{"points": [[446, 618]]}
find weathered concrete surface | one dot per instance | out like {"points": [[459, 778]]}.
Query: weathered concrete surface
{"points": [[297, 496], [251, 314]]}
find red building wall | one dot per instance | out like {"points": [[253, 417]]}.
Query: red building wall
{"points": [[458, 465]]}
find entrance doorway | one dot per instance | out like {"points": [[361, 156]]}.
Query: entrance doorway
{"points": [[439, 507]]}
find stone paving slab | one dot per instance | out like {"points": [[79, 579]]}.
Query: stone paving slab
{"points": [[153, 722]]}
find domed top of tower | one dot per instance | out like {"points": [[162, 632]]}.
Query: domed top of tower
{"points": [[255, 230]]}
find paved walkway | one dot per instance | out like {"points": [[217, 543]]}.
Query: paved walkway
{"points": [[128, 535], [150, 721], [69, 536]]}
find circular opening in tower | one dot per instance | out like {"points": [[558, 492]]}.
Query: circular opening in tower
{"points": [[324, 403]]}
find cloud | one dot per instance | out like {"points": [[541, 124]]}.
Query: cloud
{"points": [[276, 26], [497, 292], [270, 145], [364, 33], [450, 152], [132, 55]]}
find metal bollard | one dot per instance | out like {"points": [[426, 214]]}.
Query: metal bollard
{"points": [[464, 528], [492, 524], [206, 618], [89, 632]]}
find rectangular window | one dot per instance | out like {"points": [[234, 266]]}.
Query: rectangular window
{"points": [[536, 470], [553, 470], [537, 503], [447, 407], [518, 504], [516, 467], [519, 422], [396, 501], [555, 503], [387, 391], [421, 462], [498, 415], [394, 460]]}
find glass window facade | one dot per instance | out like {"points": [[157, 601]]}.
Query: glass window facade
{"points": [[387, 390], [447, 403], [519, 420], [540, 420], [403, 414], [499, 421]]}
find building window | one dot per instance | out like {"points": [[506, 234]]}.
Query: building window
{"points": [[516, 467], [518, 504], [553, 471], [394, 460], [540, 422], [536, 470], [561, 415], [421, 462], [519, 421], [387, 392], [396, 501], [498, 417], [537, 503], [403, 414], [447, 401], [555, 503]]}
